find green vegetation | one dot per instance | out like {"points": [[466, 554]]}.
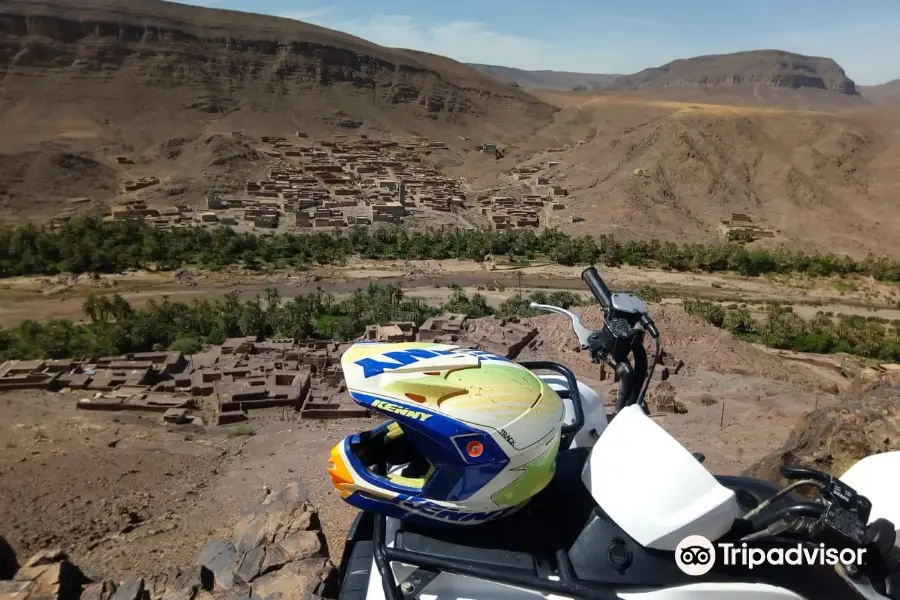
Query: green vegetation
{"points": [[114, 327], [739, 235], [648, 294], [91, 245], [781, 328], [844, 286], [241, 430]]}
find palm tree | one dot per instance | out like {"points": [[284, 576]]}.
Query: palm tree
{"points": [[91, 308], [120, 308]]}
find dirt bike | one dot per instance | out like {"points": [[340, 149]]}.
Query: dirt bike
{"points": [[612, 522]]}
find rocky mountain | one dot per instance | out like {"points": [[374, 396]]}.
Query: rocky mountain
{"points": [[102, 78], [758, 73], [769, 76], [548, 80], [165, 45]]}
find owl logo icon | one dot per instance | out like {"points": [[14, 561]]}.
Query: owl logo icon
{"points": [[695, 555]]}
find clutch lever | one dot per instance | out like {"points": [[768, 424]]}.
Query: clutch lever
{"points": [[581, 332]]}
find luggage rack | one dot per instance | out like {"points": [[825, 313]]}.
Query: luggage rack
{"points": [[429, 566], [568, 431]]}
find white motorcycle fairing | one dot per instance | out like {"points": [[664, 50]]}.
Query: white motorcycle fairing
{"points": [[653, 487]]}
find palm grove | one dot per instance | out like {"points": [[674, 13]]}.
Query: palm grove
{"points": [[112, 326]]}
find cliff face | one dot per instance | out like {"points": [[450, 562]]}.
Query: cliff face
{"points": [[102, 79], [765, 68], [226, 54]]}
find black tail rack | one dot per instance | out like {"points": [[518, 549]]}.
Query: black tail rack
{"points": [[572, 393]]}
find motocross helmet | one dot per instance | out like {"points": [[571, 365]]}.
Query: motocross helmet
{"points": [[472, 436]]}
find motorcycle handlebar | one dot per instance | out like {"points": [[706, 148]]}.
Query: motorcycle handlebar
{"points": [[593, 280]]}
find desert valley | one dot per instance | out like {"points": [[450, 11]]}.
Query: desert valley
{"points": [[201, 209]]}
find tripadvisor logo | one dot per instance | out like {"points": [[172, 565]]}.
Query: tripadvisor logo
{"points": [[695, 555]]}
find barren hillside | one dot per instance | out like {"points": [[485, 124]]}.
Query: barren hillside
{"points": [[886, 94], [88, 81], [639, 166], [100, 92]]}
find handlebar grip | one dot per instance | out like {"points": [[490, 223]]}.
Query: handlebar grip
{"points": [[593, 280]]}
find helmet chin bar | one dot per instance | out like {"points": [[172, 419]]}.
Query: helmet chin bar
{"points": [[381, 448]]}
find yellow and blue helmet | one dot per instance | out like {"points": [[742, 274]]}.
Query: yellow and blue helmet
{"points": [[472, 436]]}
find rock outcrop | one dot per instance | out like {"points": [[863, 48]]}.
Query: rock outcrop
{"points": [[832, 439], [277, 552], [48, 574], [220, 54]]}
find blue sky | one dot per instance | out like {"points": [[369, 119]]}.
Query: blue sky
{"points": [[598, 36]]}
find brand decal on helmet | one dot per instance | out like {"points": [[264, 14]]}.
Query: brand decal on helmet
{"points": [[399, 410], [447, 514], [375, 366]]}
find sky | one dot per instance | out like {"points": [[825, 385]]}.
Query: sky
{"points": [[598, 36]]}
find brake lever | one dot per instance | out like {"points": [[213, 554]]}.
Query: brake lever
{"points": [[581, 332]]}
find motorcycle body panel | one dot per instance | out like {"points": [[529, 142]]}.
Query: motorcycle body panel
{"points": [[671, 495], [663, 580]]}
